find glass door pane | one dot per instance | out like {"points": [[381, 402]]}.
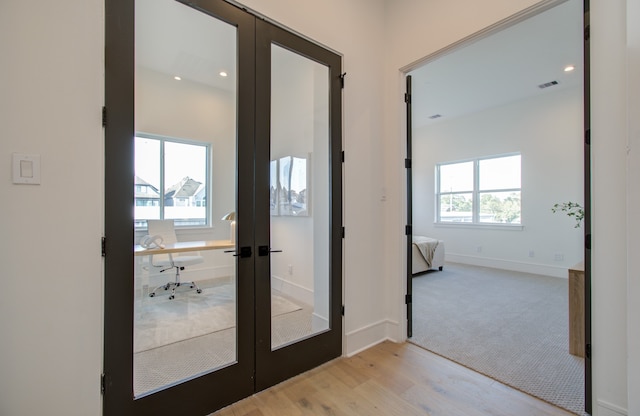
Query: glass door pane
{"points": [[185, 308], [300, 197]]}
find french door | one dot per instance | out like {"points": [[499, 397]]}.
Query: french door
{"points": [[230, 127]]}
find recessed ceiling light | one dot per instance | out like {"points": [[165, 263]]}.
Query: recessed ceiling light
{"points": [[177, 78], [223, 74], [569, 68]]}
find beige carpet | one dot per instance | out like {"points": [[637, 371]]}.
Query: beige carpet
{"points": [[510, 326]]}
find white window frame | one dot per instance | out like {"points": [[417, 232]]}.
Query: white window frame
{"points": [[476, 193], [209, 179]]}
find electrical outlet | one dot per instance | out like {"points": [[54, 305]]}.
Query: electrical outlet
{"points": [[290, 270], [532, 253], [558, 257], [479, 249]]}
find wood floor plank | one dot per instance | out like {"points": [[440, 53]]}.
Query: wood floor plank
{"points": [[392, 379]]}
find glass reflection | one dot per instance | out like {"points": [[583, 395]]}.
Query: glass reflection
{"points": [[185, 114], [299, 197]]}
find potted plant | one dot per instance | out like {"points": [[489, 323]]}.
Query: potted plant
{"points": [[572, 209]]}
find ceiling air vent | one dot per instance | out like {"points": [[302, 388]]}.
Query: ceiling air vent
{"points": [[435, 116], [547, 84]]}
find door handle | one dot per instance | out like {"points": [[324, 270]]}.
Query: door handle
{"points": [[264, 251], [244, 252]]}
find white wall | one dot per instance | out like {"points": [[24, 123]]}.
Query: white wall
{"points": [[609, 266], [547, 131], [51, 96], [633, 202]]}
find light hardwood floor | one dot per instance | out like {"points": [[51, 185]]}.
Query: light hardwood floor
{"points": [[392, 379]]}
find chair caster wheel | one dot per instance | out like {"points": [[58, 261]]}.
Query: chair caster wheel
{"points": [[171, 297], [199, 291], [151, 295]]}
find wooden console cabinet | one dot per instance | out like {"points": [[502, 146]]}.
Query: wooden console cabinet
{"points": [[576, 310]]}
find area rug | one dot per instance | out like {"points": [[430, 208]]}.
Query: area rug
{"points": [[510, 326], [161, 321], [157, 368]]}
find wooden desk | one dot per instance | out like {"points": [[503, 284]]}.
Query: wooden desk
{"points": [[576, 310], [184, 246]]}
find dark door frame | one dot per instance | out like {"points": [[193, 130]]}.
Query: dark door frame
{"points": [[588, 374]]}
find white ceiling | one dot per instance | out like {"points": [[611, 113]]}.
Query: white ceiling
{"points": [[177, 40], [503, 67], [506, 66]]}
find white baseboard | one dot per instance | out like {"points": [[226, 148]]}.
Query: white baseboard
{"points": [[292, 289], [366, 337], [318, 323], [543, 269], [609, 409]]}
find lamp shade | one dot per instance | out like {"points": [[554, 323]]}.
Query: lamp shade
{"points": [[230, 216]]}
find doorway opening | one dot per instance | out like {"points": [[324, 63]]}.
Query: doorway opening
{"points": [[515, 91]]}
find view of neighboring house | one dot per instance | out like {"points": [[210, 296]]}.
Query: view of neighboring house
{"points": [[146, 195], [183, 193], [185, 201]]}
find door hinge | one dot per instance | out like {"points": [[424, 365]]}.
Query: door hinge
{"points": [[408, 299], [103, 246], [342, 310], [408, 230], [104, 116], [342, 156], [587, 33], [407, 98], [342, 79], [407, 163], [342, 232], [587, 351], [587, 137], [587, 241], [103, 383]]}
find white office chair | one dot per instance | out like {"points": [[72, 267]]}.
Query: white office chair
{"points": [[165, 229]]}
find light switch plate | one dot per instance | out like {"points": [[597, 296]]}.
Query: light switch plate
{"points": [[26, 169]]}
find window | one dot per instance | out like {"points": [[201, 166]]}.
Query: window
{"points": [[479, 191], [171, 181]]}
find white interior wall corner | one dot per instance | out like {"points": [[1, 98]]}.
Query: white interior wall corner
{"points": [[633, 202], [609, 225], [52, 94]]}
